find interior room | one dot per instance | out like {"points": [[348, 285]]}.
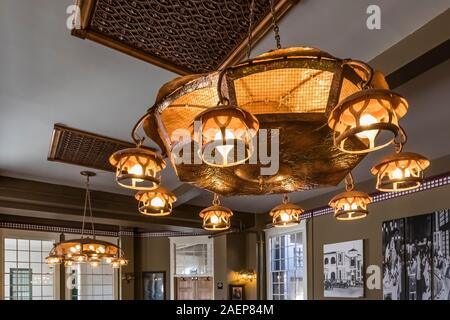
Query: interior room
{"points": [[224, 150]]}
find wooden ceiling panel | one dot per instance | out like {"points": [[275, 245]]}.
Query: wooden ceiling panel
{"points": [[183, 36]]}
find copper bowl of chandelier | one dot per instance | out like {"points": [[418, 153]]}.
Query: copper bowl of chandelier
{"points": [[157, 202], [400, 172], [350, 205]]}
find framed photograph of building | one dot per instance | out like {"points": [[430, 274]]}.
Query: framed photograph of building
{"points": [[441, 255], [153, 284], [237, 292], [343, 269], [418, 242], [394, 277]]}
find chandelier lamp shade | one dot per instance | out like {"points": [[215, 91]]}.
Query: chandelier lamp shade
{"points": [[137, 168], [86, 249], [369, 117], [157, 202], [286, 214], [216, 217], [350, 205]]}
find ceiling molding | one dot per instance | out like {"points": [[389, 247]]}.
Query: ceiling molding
{"points": [[155, 32], [44, 200]]}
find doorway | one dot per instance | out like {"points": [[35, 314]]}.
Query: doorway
{"points": [[195, 288]]}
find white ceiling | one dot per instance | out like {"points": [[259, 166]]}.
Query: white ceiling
{"points": [[48, 76]]}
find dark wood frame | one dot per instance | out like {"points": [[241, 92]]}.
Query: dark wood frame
{"points": [[230, 290], [164, 282]]}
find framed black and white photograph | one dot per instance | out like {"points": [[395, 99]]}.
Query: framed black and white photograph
{"points": [[441, 255], [153, 284], [418, 241], [343, 269], [394, 278], [237, 292]]}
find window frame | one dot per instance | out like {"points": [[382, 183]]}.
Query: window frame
{"points": [[276, 232], [27, 235]]}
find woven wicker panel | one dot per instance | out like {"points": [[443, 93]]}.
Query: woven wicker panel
{"points": [[82, 148], [298, 90], [348, 88]]}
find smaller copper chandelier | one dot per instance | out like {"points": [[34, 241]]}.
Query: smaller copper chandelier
{"points": [[226, 133], [137, 168], [247, 275], [370, 116], [85, 249], [350, 205], [216, 217], [400, 171], [157, 202], [286, 214]]}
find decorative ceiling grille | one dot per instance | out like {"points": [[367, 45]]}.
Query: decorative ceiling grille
{"points": [[185, 36], [83, 148]]}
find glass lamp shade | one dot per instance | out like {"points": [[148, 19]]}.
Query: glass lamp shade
{"points": [[137, 168], [216, 218], [157, 202], [350, 205], [84, 250], [286, 215], [370, 117], [226, 135], [400, 172]]}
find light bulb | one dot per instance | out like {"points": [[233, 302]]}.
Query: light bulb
{"points": [[73, 249], [122, 261], [108, 260], [354, 206], [78, 247], [157, 202], [214, 219], [224, 150], [284, 217], [366, 120], [101, 249], [69, 263], [91, 247], [407, 173], [398, 174], [94, 264]]}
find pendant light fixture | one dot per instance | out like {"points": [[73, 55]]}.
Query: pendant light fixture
{"points": [[350, 205], [226, 133], [286, 214], [86, 249], [369, 116], [400, 171], [138, 168], [216, 217], [157, 202]]}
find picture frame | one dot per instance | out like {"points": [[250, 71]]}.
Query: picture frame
{"points": [[237, 292], [154, 285]]}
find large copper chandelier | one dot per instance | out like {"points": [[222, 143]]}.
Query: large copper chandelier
{"points": [[330, 113], [86, 249]]}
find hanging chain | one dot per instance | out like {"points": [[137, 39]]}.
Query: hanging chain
{"points": [[216, 200], [276, 29], [285, 198], [87, 205], [349, 185], [403, 138], [250, 28]]}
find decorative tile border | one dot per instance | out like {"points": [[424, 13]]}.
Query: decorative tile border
{"points": [[167, 234], [428, 184]]}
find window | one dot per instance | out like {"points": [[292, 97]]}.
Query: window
{"points": [[333, 260], [26, 275], [88, 283], [84, 282], [286, 263], [326, 260]]}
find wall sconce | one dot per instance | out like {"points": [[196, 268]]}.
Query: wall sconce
{"points": [[247, 275], [128, 277]]}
